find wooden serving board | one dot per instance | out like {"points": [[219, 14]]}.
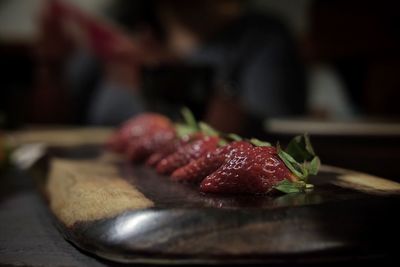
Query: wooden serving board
{"points": [[127, 213]]}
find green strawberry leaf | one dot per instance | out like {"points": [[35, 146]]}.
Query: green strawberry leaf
{"points": [[189, 125], [234, 137], [295, 167], [227, 138], [258, 142], [222, 142], [300, 157], [189, 118], [207, 129], [300, 148], [288, 187], [314, 165], [183, 129]]}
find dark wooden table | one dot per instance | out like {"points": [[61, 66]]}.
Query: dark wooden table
{"points": [[28, 236]]}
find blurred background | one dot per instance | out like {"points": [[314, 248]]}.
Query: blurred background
{"points": [[263, 68]]}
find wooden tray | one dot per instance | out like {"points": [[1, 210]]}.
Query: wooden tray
{"points": [[127, 213]]}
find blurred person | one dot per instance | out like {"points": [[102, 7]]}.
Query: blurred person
{"points": [[257, 73], [328, 97], [328, 93]]}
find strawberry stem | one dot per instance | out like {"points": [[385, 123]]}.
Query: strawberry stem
{"points": [[258, 142], [300, 150], [189, 118]]}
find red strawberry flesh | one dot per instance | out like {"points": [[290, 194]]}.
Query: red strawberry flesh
{"points": [[171, 147], [139, 126], [198, 169], [249, 170], [142, 147], [187, 153]]}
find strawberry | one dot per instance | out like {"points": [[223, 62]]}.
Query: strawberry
{"points": [[142, 147], [187, 153], [198, 169], [164, 151], [248, 170], [141, 125], [171, 147]]}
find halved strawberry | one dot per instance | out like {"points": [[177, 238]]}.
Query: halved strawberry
{"points": [[142, 147], [139, 126], [198, 169], [248, 170], [164, 151], [171, 147], [187, 153]]}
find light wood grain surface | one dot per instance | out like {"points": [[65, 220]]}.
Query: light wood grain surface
{"points": [[363, 182], [89, 190], [62, 137]]}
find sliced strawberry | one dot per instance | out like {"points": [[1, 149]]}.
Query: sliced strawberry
{"points": [[198, 169], [248, 170], [187, 153], [164, 151], [139, 126], [171, 147], [142, 147]]}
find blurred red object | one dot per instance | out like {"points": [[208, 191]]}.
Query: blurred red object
{"points": [[99, 36]]}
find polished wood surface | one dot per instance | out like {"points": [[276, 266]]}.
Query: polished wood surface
{"points": [[348, 215], [90, 190]]}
